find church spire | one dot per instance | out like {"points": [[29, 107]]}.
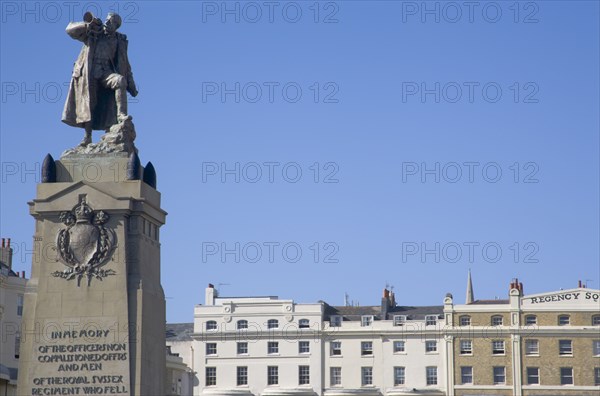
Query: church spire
{"points": [[470, 296]]}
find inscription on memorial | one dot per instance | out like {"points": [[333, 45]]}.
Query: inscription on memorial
{"points": [[84, 360]]}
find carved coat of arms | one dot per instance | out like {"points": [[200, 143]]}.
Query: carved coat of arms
{"points": [[85, 245]]}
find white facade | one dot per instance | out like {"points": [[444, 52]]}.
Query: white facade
{"points": [[12, 290], [267, 346], [400, 358]]}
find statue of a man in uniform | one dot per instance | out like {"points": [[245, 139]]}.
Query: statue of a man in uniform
{"points": [[101, 78]]}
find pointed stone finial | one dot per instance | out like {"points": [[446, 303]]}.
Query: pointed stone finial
{"points": [[134, 167], [150, 175], [48, 170], [470, 296]]}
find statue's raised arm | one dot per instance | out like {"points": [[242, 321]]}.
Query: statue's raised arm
{"points": [[101, 78]]}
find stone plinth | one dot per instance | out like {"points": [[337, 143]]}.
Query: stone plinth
{"points": [[94, 315]]}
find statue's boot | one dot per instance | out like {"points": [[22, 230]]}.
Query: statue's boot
{"points": [[87, 139]]}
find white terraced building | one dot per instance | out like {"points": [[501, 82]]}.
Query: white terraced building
{"points": [[268, 346]]}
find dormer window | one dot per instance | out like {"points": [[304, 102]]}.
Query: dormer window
{"points": [[335, 321], [430, 320], [399, 320]]}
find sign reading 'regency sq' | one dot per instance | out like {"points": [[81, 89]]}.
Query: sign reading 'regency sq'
{"points": [[567, 296]]}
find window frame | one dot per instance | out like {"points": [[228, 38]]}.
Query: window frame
{"points": [[364, 351], [497, 320], [562, 344], [400, 320], [595, 348], [241, 324], [333, 349], [464, 320], [208, 326], [366, 372], [272, 324], [497, 351], [240, 376], [463, 349], [272, 375], [272, 348], [431, 375], [241, 345], [497, 374], [431, 318], [396, 346], [304, 323], [303, 344], [431, 346], [571, 376], [366, 320], [564, 320], [210, 379], [211, 349], [399, 375], [468, 374], [529, 375], [596, 376], [336, 320], [596, 320], [335, 376], [20, 303], [528, 319], [303, 375], [532, 342]]}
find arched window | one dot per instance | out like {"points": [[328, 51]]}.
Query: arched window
{"points": [[497, 320], [242, 324], [530, 320], [465, 320], [303, 324], [564, 320], [211, 325], [272, 324]]}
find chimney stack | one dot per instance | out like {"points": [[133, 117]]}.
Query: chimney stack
{"points": [[210, 294], [6, 253], [515, 284]]}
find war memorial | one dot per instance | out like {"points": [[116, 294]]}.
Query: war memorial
{"points": [[94, 310]]}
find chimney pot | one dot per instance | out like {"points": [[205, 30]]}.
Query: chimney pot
{"points": [[2, 242], [8, 243], [211, 285]]}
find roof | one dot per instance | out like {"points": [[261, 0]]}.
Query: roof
{"points": [[489, 302], [179, 331], [417, 312], [5, 269], [355, 313]]}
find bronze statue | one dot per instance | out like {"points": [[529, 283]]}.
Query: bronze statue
{"points": [[101, 77]]}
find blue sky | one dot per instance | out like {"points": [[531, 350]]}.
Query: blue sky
{"points": [[337, 147]]}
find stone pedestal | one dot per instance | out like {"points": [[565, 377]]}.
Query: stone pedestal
{"points": [[94, 314]]}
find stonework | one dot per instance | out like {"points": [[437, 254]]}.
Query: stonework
{"points": [[94, 318]]}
